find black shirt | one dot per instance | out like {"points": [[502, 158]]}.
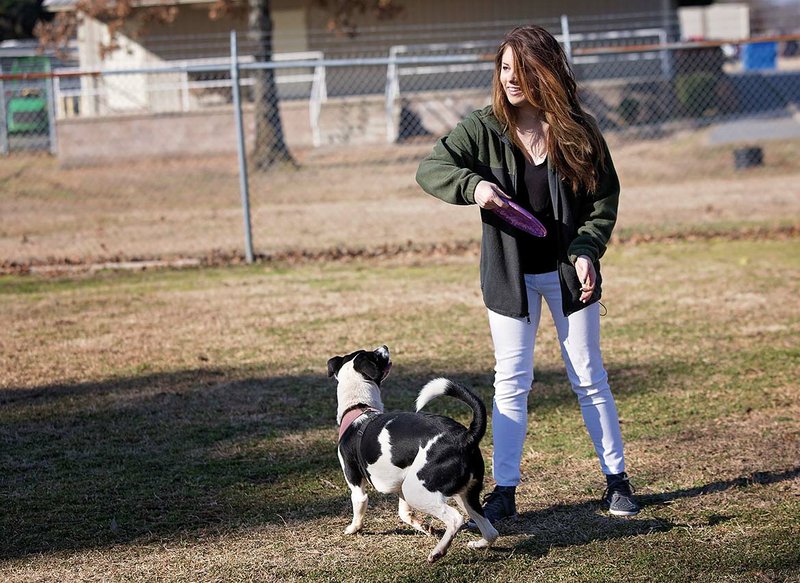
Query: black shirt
{"points": [[538, 254]]}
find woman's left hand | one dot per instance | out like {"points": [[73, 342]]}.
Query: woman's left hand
{"points": [[587, 276]]}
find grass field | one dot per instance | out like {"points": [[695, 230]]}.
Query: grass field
{"points": [[350, 200], [179, 425]]}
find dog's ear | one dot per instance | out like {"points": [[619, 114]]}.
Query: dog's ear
{"points": [[334, 364], [366, 365]]}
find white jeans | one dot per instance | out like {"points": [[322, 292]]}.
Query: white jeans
{"points": [[579, 336]]}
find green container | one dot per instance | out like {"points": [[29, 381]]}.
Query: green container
{"points": [[27, 114], [26, 109]]}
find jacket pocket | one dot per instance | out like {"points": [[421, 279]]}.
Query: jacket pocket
{"points": [[571, 287]]}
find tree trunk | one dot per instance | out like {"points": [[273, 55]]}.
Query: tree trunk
{"points": [[270, 148]]}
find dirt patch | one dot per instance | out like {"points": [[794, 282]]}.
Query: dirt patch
{"points": [[349, 201], [407, 252]]}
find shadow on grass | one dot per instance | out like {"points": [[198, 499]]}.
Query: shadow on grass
{"points": [[763, 478], [570, 525], [575, 524], [154, 455], [159, 455]]}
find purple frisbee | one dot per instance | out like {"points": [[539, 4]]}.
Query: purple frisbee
{"points": [[518, 217]]}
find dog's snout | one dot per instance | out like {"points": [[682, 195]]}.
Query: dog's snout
{"points": [[383, 351]]}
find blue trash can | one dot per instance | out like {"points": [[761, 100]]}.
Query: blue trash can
{"points": [[759, 56]]}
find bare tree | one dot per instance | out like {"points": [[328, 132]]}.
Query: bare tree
{"points": [[270, 147]]}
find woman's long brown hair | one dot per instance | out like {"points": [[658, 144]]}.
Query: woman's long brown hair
{"points": [[543, 72]]}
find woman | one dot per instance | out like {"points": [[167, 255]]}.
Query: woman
{"points": [[537, 146]]}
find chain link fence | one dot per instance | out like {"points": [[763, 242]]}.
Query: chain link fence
{"points": [[141, 163]]}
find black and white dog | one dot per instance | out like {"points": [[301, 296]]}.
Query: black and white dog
{"points": [[426, 459]]}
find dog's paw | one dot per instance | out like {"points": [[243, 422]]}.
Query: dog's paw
{"points": [[352, 529], [435, 556], [479, 544]]}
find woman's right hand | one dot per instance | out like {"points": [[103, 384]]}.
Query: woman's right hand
{"points": [[489, 196]]}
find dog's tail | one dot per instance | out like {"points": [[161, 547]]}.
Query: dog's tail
{"points": [[439, 387]]}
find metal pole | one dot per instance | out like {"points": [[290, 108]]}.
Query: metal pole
{"points": [[667, 14], [3, 124], [565, 34], [51, 115], [392, 89], [243, 182]]}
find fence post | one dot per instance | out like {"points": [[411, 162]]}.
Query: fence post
{"points": [[391, 92], [666, 65], [51, 113], [243, 182], [567, 40], [3, 124]]}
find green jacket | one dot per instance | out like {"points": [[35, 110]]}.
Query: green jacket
{"points": [[478, 149]]}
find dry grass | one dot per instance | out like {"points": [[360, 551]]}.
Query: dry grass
{"points": [[178, 425], [173, 208], [172, 426]]}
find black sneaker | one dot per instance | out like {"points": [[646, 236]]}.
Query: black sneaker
{"points": [[500, 503], [619, 496]]}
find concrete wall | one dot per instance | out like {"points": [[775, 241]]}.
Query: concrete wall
{"points": [[103, 140], [100, 140], [354, 121]]}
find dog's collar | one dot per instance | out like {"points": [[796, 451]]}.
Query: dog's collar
{"points": [[351, 415]]}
